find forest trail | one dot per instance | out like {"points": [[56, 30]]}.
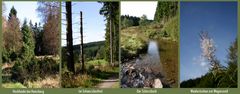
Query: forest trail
{"points": [[108, 83]]}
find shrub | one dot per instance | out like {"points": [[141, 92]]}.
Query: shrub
{"points": [[19, 72], [48, 66], [35, 69]]}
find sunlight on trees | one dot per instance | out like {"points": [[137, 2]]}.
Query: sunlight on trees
{"points": [[208, 51]]}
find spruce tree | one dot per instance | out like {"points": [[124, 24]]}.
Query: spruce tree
{"points": [[28, 42], [110, 10]]}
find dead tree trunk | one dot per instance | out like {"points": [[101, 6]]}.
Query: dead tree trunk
{"points": [[81, 32], [70, 60]]}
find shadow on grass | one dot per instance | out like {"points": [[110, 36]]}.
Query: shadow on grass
{"points": [[103, 74]]}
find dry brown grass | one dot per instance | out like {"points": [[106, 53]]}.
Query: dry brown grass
{"points": [[48, 82]]}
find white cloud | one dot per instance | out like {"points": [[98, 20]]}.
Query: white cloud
{"points": [[137, 8], [203, 64], [200, 61]]}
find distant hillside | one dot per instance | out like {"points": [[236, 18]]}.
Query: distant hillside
{"points": [[91, 50], [88, 45]]}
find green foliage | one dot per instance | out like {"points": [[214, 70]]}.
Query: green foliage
{"points": [[19, 72], [143, 20], [13, 85], [132, 44], [165, 10], [93, 50], [13, 12], [156, 30], [97, 62], [38, 36], [28, 43], [35, 69], [128, 21], [19, 51], [48, 66], [230, 76], [190, 83], [171, 29], [111, 12]]}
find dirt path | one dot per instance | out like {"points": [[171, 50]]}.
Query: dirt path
{"points": [[108, 83]]}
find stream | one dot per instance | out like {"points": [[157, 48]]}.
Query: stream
{"points": [[153, 52], [143, 71], [151, 58]]}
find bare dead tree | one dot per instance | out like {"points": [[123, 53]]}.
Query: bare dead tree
{"points": [[81, 32], [70, 56], [50, 13]]}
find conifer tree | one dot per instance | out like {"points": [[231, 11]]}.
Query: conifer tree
{"points": [[28, 42]]}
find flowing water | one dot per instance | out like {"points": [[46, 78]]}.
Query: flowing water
{"points": [[152, 58], [153, 52], [144, 69]]}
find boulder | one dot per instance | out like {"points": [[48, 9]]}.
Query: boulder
{"points": [[157, 83]]}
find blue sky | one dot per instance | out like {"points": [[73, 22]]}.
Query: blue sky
{"points": [[25, 9], [219, 19], [93, 22]]}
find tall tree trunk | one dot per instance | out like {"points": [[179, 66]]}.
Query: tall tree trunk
{"points": [[114, 41], [70, 60], [81, 32], [111, 43]]}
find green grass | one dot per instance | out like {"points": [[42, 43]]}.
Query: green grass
{"points": [[97, 62], [13, 85], [97, 70]]}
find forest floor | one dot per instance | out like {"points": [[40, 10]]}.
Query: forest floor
{"points": [[48, 81]]}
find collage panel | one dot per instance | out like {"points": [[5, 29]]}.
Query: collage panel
{"points": [[90, 44], [109, 46], [149, 44], [208, 45], [30, 44]]}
